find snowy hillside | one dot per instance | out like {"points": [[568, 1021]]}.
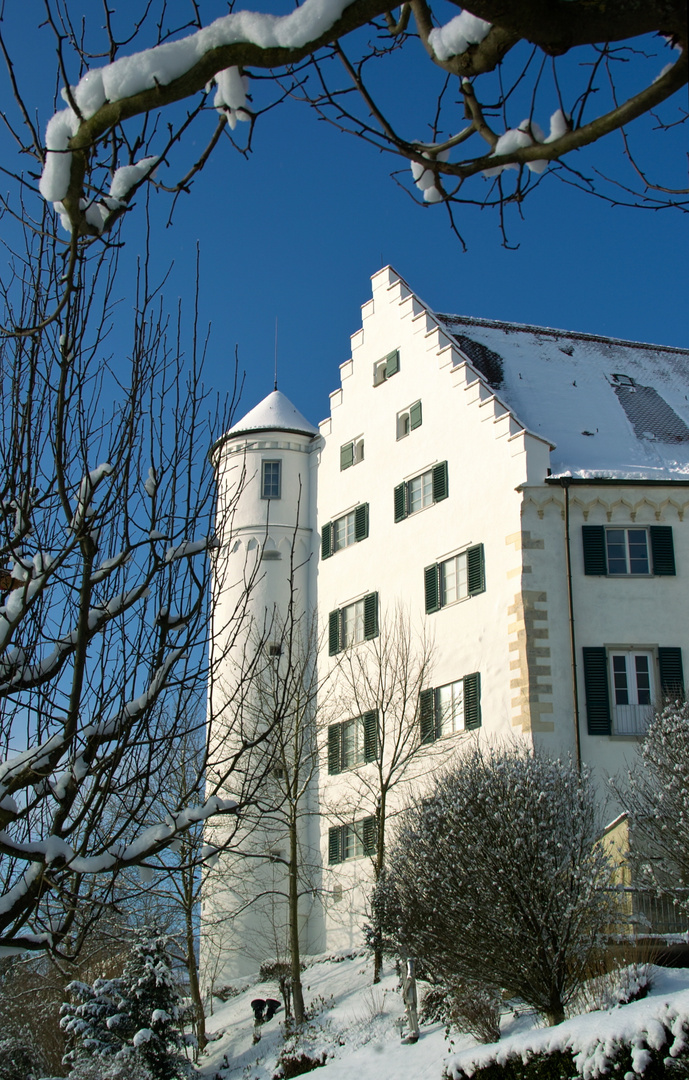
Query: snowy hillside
{"points": [[355, 1026]]}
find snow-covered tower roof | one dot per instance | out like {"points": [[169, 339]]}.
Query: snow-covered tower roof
{"points": [[275, 413]]}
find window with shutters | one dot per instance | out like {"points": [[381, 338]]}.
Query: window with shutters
{"points": [[430, 486], [455, 579], [408, 420], [354, 623], [271, 477], [352, 841], [628, 551], [353, 742], [447, 709], [385, 368], [624, 687], [349, 529], [352, 453]]}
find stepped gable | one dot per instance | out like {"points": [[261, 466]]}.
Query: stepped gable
{"points": [[275, 413], [612, 408]]}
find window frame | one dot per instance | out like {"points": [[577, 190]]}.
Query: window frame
{"points": [[440, 490], [269, 462]]}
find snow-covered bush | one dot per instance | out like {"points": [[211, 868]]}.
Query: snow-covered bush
{"points": [[127, 1027], [657, 801], [468, 1008], [656, 1049], [496, 879]]}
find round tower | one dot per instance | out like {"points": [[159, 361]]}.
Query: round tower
{"points": [[264, 579]]}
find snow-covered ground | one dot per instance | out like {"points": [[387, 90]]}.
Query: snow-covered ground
{"points": [[355, 1025]]}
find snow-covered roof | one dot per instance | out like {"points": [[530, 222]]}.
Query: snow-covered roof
{"points": [[275, 413], [612, 408]]}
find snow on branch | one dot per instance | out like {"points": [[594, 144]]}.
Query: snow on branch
{"points": [[455, 37]]}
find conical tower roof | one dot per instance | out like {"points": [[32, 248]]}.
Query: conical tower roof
{"points": [[275, 413]]}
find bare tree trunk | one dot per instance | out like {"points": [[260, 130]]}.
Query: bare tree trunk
{"points": [[293, 915], [378, 869], [194, 989]]}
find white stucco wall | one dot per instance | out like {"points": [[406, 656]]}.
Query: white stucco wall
{"points": [[488, 457]]}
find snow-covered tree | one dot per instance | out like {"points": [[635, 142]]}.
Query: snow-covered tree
{"points": [[657, 801], [496, 879], [510, 90], [130, 1022], [106, 538]]}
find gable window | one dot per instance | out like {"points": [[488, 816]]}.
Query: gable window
{"points": [[456, 706], [454, 579], [352, 841], [409, 419], [354, 623], [352, 453], [628, 551], [624, 686], [387, 367], [353, 742], [271, 479], [345, 530], [421, 491]]}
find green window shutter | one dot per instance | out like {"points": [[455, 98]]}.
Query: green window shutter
{"points": [[472, 701], [370, 735], [593, 538], [335, 844], [371, 616], [370, 835], [334, 749], [662, 550], [326, 541], [415, 415], [427, 715], [346, 455], [431, 585], [440, 482], [334, 632], [400, 502], [392, 365], [476, 572], [361, 522], [597, 690], [671, 672]]}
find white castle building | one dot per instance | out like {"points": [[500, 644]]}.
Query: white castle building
{"points": [[520, 493]]}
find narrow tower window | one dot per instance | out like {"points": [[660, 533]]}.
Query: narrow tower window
{"points": [[271, 477]]}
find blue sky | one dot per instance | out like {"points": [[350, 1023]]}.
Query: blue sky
{"points": [[296, 231]]}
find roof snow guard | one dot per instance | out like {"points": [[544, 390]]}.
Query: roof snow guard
{"points": [[275, 413], [613, 409]]}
